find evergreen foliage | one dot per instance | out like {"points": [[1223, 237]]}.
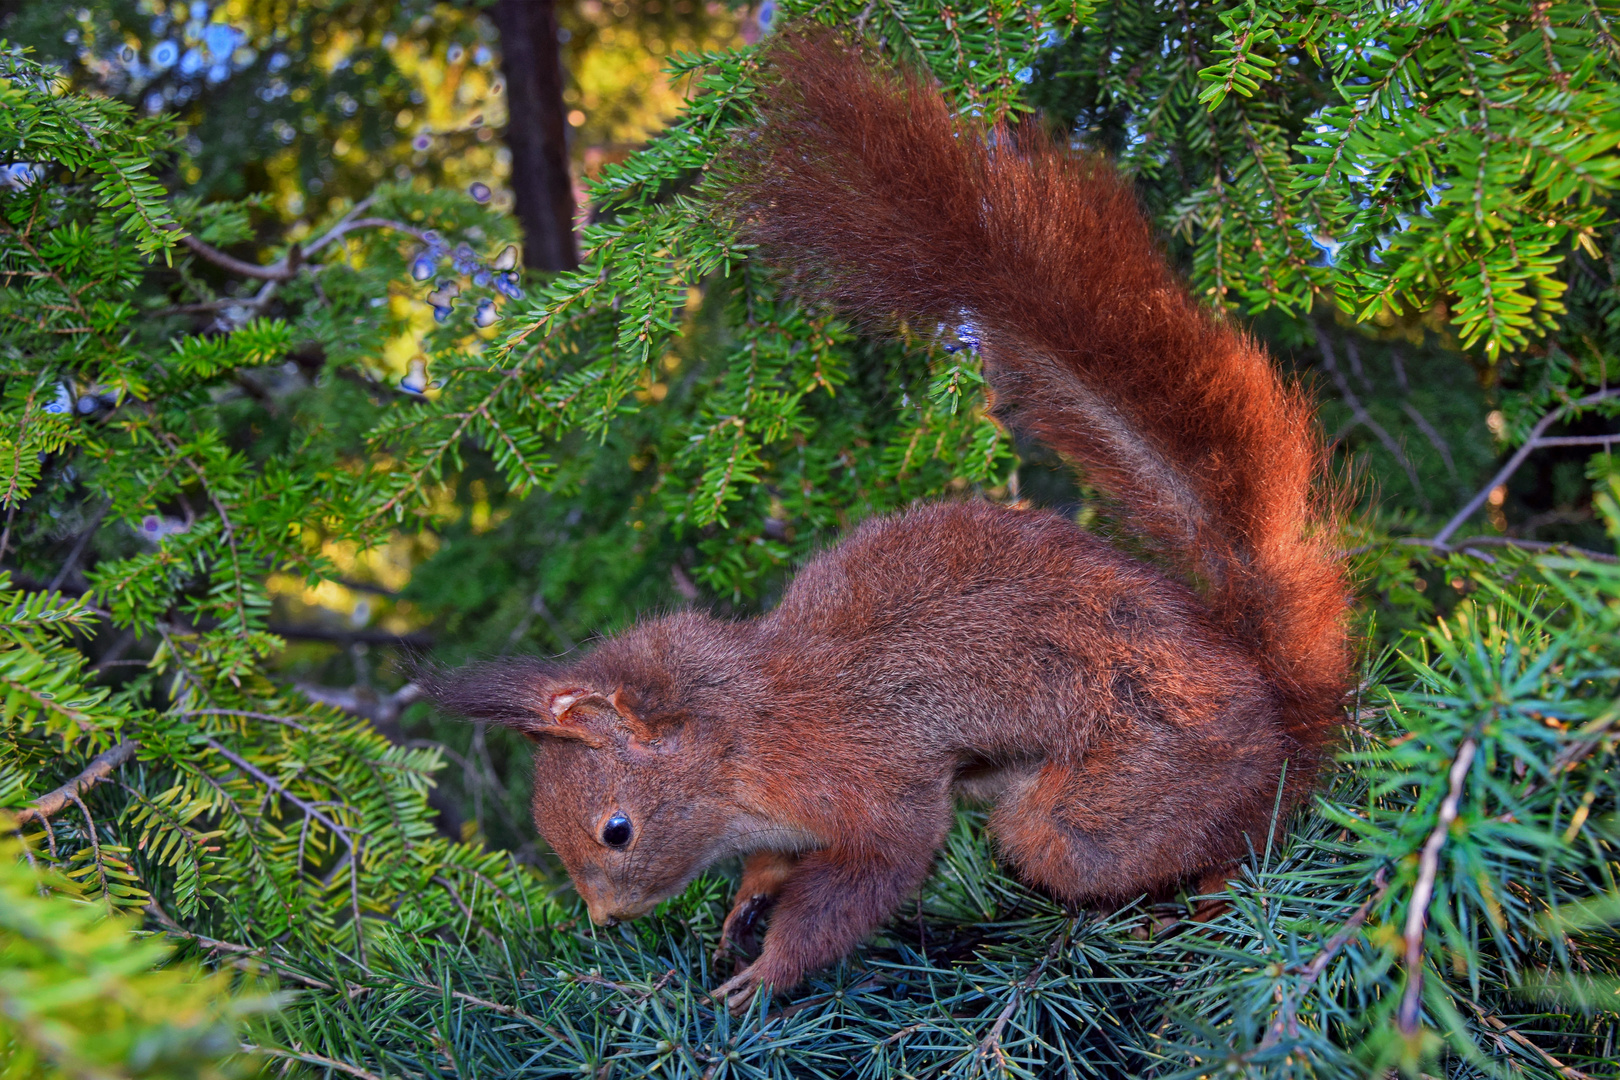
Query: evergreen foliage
{"points": [[1415, 199], [81, 996]]}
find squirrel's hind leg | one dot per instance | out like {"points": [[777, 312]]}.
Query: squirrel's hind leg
{"points": [[1143, 811]]}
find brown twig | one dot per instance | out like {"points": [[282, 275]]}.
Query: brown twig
{"points": [[277, 271], [1531, 444], [991, 1044], [1496, 1025], [100, 768], [343, 227], [288, 268], [348, 637], [226, 526], [311, 1059], [505, 1010], [638, 994], [79, 545], [1487, 541], [243, 953], [341, 831], [450, 888], [1588, 738], [1287, 1021], [1432, 435], [1363, 417], [909, 1029], [1417, 914], [5, 533], [244, 714]]}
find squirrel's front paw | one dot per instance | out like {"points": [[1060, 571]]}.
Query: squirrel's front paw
{"points": [[739, 936]]}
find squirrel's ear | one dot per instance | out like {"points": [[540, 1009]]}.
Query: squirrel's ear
{"points": [[582, 713]]}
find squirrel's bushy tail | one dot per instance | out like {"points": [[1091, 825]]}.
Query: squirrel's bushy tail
{"points": [[877, 197]]}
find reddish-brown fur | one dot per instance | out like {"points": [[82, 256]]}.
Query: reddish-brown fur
{"points": [[1131, 728]]}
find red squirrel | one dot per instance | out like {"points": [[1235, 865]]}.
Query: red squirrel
{"points": [[1130, 720]]}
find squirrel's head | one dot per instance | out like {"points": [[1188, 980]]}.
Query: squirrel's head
{"points": [[628, 784]]}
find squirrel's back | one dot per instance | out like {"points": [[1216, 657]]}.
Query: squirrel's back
{"points": [[1004, 633]]}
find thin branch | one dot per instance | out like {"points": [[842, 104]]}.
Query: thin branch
{"points": [[537, 606], [288, 268], [100, 768], [284, 270], [349, 637], [1604, 441], [243, 713], [274, 785], [311, 1059], [1432, 435], [1288, 1014], [95, 850], [366, 586], [1587, 739], [638, 994], [154, 909], [1488, 541], [310, 810], [360, 702], [112, 657], [450, 888], [1496, 1025], [79, 545], [1531, 444], [201, 306], [1417, 914], [229, 529], [991, 1043], [364, 223], [5, 534], [1364, 418]]}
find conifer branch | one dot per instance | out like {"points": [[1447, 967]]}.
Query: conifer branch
{"points": [[102, 766], [1286, 1022], [1531, 444], [1423, 892], [311, 1059], [1472, 542], [1498, 1026], [990, 1046]]}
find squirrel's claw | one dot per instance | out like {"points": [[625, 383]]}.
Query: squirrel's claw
{"points": [[739, 990]]}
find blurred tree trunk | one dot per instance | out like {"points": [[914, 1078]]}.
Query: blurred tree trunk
{"points": [[536, 132]]}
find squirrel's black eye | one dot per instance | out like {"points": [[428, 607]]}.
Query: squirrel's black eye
{"points": [[616, 833]]}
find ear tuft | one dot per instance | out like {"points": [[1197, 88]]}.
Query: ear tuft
{"points": [[508, 692]]}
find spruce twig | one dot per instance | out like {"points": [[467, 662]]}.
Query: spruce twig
{"points": [[1288, 1014], [100, 768]]}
